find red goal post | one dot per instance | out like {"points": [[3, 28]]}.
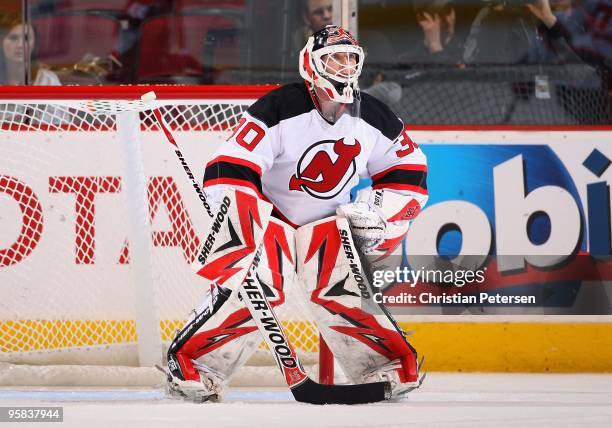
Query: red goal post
{"points": [[100, 226]]}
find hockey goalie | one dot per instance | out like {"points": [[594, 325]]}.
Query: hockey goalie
{"points": [[302, 148]]}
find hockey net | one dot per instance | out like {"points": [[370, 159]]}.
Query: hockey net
{"points": [[98, 231]]}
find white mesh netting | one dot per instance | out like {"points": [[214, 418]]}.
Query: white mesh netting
{"points": [[68, 293]]}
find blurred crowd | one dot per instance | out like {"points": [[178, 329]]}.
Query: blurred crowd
{"points": [[512, 32], [535, 36], [258, 41]]}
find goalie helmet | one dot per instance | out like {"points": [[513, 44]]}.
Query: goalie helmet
{"points": [[332, 61]]}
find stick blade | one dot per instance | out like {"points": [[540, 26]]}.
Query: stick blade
{"points": [[314, 393]]}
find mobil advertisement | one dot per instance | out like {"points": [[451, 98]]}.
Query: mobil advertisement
{"points": [[517, 222]]}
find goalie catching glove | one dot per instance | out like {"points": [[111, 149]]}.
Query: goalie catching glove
{"points": [[381, 216]]}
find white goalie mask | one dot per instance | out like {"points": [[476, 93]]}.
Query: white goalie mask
{"points": [[332, 61]]}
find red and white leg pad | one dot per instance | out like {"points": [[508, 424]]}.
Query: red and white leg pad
{"points": [[221, 336], [363, 337]]}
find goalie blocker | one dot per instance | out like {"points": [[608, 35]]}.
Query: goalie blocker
{"points": [[321, 262]]}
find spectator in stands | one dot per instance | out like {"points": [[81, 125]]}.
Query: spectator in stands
{"points": [[499, 34], [507, 32], [311, 16], [440, 43], [316, 14], [18, 42], [531, 32], [549, 46], [587, 30]]}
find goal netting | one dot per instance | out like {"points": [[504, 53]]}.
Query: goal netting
{"points": [[99, 227]]}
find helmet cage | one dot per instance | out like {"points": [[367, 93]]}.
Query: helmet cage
{"points": [[329, 62]]}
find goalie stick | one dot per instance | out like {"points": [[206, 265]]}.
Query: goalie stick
{"points": [[303, 388], [364, 269]]}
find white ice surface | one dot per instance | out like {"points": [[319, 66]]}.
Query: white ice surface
{"points": [[445, 400]]}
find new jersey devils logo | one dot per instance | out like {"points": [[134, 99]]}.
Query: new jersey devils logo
{"points": [[320, 176]]}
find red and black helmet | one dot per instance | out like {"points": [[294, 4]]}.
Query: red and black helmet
{"points": [[332, 60]]}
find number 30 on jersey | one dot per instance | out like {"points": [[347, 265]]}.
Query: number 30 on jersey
{"points": [[407, 144]]}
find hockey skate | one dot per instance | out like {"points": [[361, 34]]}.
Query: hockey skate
{"points": [[208, 388], [392, 372]]}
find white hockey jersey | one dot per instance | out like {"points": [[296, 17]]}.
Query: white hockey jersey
{"points": [[286, 153]]}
